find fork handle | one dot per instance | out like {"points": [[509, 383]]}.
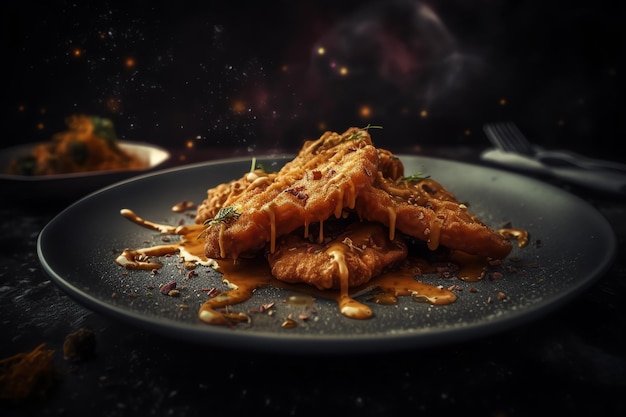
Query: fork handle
{"points": [[613, 182], [571, 158]]}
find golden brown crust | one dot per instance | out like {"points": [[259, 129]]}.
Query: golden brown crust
{"points": [[335, 177], [389, 165], [321, 181], [350, 259], [427, 211], [226, 194]]}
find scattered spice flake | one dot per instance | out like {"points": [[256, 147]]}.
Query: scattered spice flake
{"points": [[173, 293], [496, 275], [190, 265], [263, 308], [211, 292], [26, 374], [166, 288], [267, 306], [289, 323]]}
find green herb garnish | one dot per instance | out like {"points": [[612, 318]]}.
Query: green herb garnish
{"points": [[256, 166], [103, 128], [225, 214], [417, 177], [356, 135]]}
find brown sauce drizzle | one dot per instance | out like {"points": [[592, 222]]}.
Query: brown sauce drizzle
{"points": [[244, 276], [520, 235]]}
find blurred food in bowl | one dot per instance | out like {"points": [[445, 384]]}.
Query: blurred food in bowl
{"points": [[74, 163], [89, 144]]}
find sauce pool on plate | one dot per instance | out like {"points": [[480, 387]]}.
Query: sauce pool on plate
{"points": [[246, 275]]}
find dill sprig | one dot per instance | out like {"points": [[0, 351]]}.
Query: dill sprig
{"points": [[359, 133], [225, 214], [417, 177]]}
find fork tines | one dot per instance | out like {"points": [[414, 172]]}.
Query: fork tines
{"points": [[507, 137]]}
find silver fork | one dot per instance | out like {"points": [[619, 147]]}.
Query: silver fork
{"points": [[512, 149], [507, 137]]}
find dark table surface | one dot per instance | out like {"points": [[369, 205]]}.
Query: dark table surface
{"points": [[571, 361], [218, 76]]}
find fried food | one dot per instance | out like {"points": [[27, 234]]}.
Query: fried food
{"points": [[225, 194], [352, 258], [389, 165], [424, 209], [290, 214], [323, 180]]}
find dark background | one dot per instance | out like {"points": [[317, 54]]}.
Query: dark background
{"points": [[236, 74]]}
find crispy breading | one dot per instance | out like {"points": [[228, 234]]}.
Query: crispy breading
{"points": [[336, 177], [389, 165], [361, 252], [225, 194], [424, 209], [323, 180]]}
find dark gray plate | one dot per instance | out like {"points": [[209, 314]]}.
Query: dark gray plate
{"points": [[577, 246]]}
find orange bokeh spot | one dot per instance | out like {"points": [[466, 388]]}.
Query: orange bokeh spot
{"points": [[239, 107]]}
